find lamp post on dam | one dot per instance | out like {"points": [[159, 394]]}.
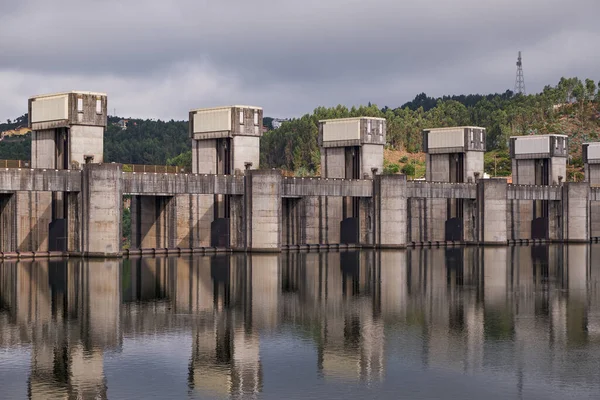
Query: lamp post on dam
{"points": [[70, 201]]}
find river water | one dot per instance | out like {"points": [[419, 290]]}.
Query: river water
{"points": [[457, 323]]}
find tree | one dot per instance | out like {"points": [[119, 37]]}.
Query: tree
{"points": [[590, 89]]}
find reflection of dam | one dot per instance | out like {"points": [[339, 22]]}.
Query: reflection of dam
{"points": [[69, 314], [520, 311]]}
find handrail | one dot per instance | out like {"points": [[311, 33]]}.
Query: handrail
{"points": [[14, 164]]}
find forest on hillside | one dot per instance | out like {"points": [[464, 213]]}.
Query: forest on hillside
{"points": [[570, 107]]}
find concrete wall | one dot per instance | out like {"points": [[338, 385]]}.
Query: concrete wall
{"points": [[8, 222], [204, 156], [155, 184], [592, 174], [34, 214], [437, 215], [152, 222], [333, 162], [523, 172], [473, 164], [519, 216], [371, 156], [194, 216], [86, 140], [311, 219], [437, 167], [43, 154], [558, 168], [38, 180], [245, 149]]}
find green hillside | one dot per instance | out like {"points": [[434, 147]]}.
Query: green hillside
{"points": [[570, 107]]}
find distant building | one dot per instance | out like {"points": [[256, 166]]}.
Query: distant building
{"points": [[277, 122], [123, 124], [18, 131]]}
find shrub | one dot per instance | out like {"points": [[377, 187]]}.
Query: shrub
{"points": [[408, 169], [404, 159], [391, 169]]}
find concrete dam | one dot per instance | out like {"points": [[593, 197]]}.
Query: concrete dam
{"points": [[69, 203]]}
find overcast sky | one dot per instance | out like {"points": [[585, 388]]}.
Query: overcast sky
{"points": [[158, 59]]}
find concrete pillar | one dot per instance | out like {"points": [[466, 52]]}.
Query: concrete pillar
{"points": [[390, 211], [102, 210], [554, 220], [575, 208], [469, 221], [237, 221], [366, 215], [8, 222], [491, 204], [263, 210], [74, 219], [34, 213], [594, 219]]}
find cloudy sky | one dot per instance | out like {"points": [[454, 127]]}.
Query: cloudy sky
{"points": [[158, 59]]}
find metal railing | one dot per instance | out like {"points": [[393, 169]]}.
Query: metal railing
{"points": [[14, 164], [162, 169]]}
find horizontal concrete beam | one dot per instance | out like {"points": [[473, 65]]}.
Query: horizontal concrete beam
{"points": [[157, 184], [531, 192], [298, 187], [440, 190], [39, 180]]}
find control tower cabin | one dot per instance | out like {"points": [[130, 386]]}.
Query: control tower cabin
{"points": [[454, 154], [67, 129], [590, 153], [351, 148], [225, 140], [539, 159]]}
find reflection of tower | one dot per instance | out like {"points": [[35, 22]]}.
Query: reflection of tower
{"points": [[68, 313], [225, 350], [352, 343], [520, 80]]}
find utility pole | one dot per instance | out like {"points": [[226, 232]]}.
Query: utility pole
{"points": [[495, 165]]}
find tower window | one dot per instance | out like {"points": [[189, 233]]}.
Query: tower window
{"points": [[98, 106], [255, 117], [79, 104], [241, 117]]}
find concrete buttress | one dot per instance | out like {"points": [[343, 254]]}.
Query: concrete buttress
{"points": [[102, 210]]}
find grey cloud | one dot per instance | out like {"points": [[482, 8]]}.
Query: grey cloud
{"points": [[290, 55]]}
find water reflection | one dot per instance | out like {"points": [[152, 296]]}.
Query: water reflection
{"points": [[525, 319]]}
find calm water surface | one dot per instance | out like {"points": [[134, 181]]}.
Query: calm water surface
{"points": [[494, 323]]}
